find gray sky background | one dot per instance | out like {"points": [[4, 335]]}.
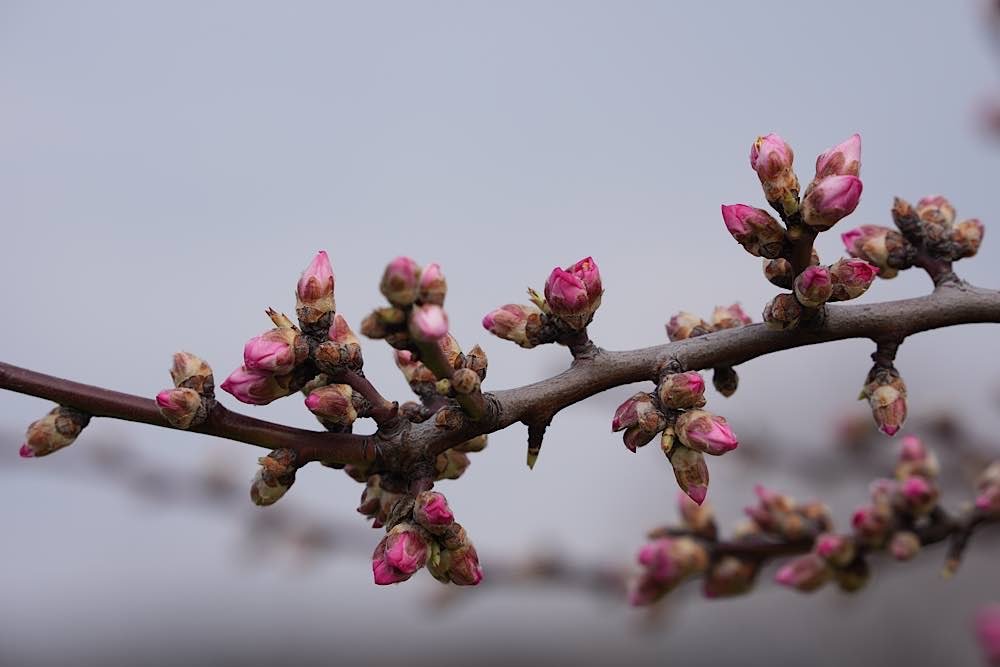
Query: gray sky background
{"points": [[167, 170]]}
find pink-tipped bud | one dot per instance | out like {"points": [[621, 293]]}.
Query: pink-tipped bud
{"points": [[729, 317], [967, 237], [668, 560], [588, 273], [705, 432], [414, 371], [904, 545], [886, 394], [682, 390], [399, 555], [838, 550], [340, 332], [871, 525], [401, 281], [56, 430], [658, 561], [915, 459], [831, 199], [640, 419], [256, 387], [754, 229], [917, 495], [988, 632], [690, 471], [851, 278], [465, 569], [814, 286], [180, 406], [431, 511], [314, 291], [432, 287], [782, 312], [191, 372], [806, 573], [885, 248], [779, 272], [428, 323], [276, 351], [334, 402], [274, 477], [685, 325], [566, 295], [515, 322], [844, 159], [772, 159]]}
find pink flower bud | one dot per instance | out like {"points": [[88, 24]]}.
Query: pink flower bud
{"points": [[657, 560], [690, 471], [967, 237], [917, 495], [341, 333], [641, 420], [179, 406], [399, 555], [782, 312], [988, 632], [705, 432], [433, 287], [464, 568], [645, 590], [275, 351], [831, 199], [566, 295], [56, 430], [256, 387], [685, 325], [428, 323], [274, 477], [682, 390], [844, 159], [836, 549], [414, 371], [668, 560], [587, 272], [904, 545], [754, 229], [191, 372], [333, 402], [871, 525], [772, 159], [806, 573], [432, 512], [515, 323], [888, 403], [729, 317], [936, 209], [915, 459], [401, 281], [885, 248], [814, 286], [851, 278], [314, 292]]}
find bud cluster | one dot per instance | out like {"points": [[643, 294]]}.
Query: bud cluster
{"points": [[58, 429], [686, 325], [886, 394], [778, 515], [269, 363], [188, 403], [415, 315], [666, 562], [571, 297]]}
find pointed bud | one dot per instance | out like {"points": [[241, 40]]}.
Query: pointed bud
{"points": [[644, 590], [886, 393], [515, 322], [399, 555], [690, 471], [838, 550], [256, 387], [191, 372], [967, 237], [276, 351], [904, 545], [814, 286], [566, 296], [686, 325], [274, 477], [401, 282], [705, 432], [885, 248], [314, 292], [340, 332], [772, 159], [428, 323], [682, 390], [851, 278], [729, 317], [725, 380], [432, 512], [58, 429], [452, 352], [180, 406], [844, 159], [782, 312], [779, 272], [334, 402], [432, 287], [477, 361], [464, 569], [754, 229], [831, 199], [805, 573]]}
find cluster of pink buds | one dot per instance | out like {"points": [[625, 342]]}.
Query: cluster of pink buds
{"points": [[927, 231], [58, 429], [193, 394], [686, 325], [686, 431], [422, 531], [571, 297], [274, 477], [781, 516], [415, 314], [666, 562], [886, 393]]}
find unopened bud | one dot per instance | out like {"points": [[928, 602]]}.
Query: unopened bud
{"points": [[566, 296], [905, 217], [838, 550], [465, 381], [904, 545], [690, 471], [414, 371], [667, 440], [276, 351], [517, 323], [917, 496], [640, 419], [782, 312], [401, 281], [451, 464], [256, 387], [428, 323], [314, 292], [729, 317], [871, 525], [274, 477], [725, 380], [699, 518], [399, 554], [805, 573], [772, 159], [432, 288], [705, 432], [58, 429], [779, 272], [814, 286], [915, 459], [682, 390], [851, 278], [843, 159], [180, 406], [334, 402], [432, 512], [476, 360], [729, 576], [831, 199], [886, 393], [754, 229], [885, 248], [967, 237], [854, 576], [686, 325], [191, 372]]}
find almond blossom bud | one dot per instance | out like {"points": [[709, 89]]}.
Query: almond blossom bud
{"points": [[464, 568], [414, 371], [885, 248], [851, 278], [838, 550], [772, 159], [58, 429], [275, 351], [180, 406], [843, 159], [936, 209], [814, 286], [729, 576], [432, 512], [401, 281], [682, 390], [904, 545], [831, 199], [432, 288], [517, 323], [314, 292], [566, 295], [256, 387], [191, 372], [754, 229], [886, 393], [428, 323], [705, 432], [967, 237], [915, 459], [641, 420], [669, 560], [729, 317], [905, 217], [340, 332], [274, 477], [335, 403], [917, 496], [477, 361], [685, 325], [782, 312], [725, 380], [805, 573], [779, 272], [988, 632], [871, 525], [690, 471], [399, 555]]}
